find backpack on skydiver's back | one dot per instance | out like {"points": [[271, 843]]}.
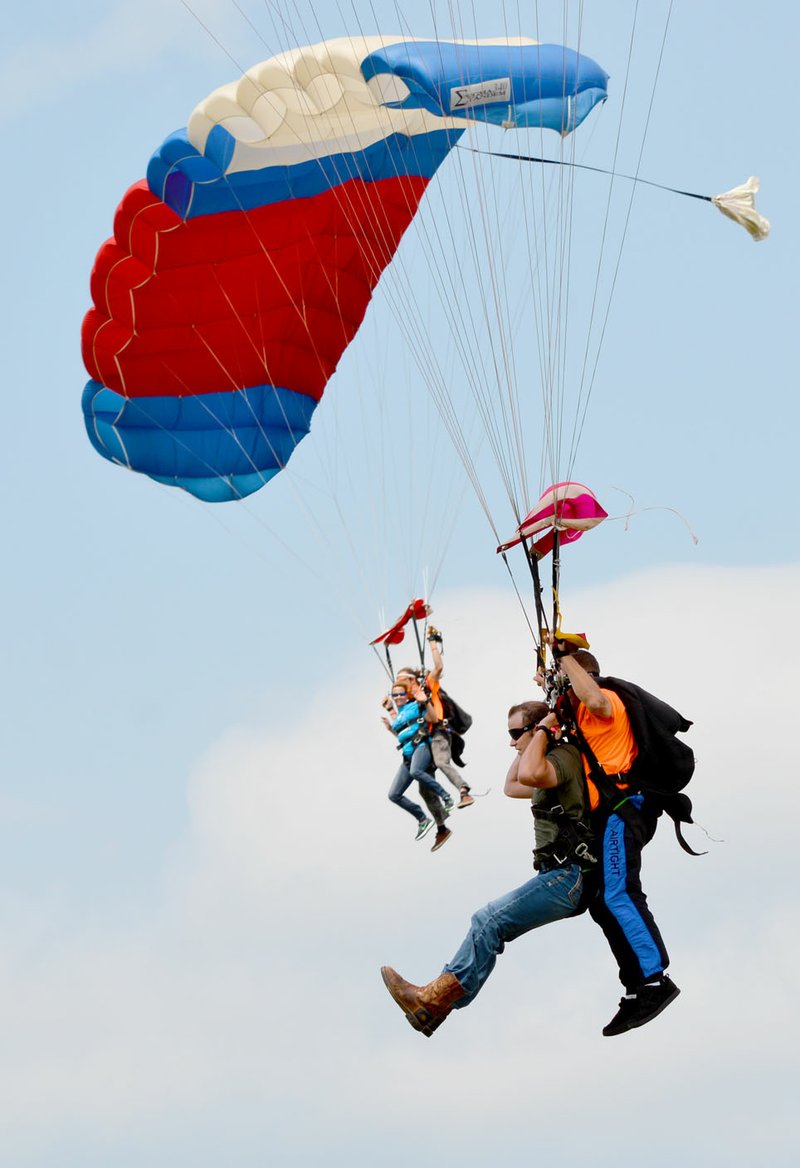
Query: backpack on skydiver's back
{"points": [[458, 720], [458, 723], [664, 764]]}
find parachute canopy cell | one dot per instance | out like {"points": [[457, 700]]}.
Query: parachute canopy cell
{"points": [[241, 268]]}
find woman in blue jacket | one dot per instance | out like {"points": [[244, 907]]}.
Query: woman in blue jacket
{"points": [[410, 725]]}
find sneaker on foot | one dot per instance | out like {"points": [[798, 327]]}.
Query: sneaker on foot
{"points": [[423, 827], [442, 836], [620, 1022], [646, 1004], [448, 803], [466, 799]]}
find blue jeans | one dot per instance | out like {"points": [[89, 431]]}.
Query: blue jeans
{"points": [[419, 768], [549, 896]]}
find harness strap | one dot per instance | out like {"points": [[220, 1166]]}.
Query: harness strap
{"points": [[615, 799], [575, 846], [610, 792], [682, 841]]}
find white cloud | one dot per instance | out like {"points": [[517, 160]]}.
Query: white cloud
{"points": [[251, 997]]}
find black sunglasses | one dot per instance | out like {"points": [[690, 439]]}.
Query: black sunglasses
{"points": [[401, 694], [515, 735]]}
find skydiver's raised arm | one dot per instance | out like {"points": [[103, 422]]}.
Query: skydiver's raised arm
{"points": [[425, 704], [438, 662], [584, 686], [534, 769], [513, 788]]}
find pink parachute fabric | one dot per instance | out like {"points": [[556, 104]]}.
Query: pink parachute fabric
{"points": [[567, 508]]}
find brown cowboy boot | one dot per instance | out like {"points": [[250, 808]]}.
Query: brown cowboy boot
{"points": [[425, 1007]]}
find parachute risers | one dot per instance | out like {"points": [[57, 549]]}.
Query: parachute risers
{"points": [[563, 513], [568, 509]]}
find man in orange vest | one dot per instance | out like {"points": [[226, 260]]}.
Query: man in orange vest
{"points": [[622, 829]]}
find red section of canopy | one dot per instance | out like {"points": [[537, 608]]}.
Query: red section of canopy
{"points": [[222, 302], [417, 610]]}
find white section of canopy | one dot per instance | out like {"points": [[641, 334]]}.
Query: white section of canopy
{"points": [[309, 102]]}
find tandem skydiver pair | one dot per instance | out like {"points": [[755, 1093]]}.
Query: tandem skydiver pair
{"points": [[428, 726], [595, 806]]}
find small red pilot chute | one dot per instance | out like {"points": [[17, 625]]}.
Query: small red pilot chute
{"points": [[417, 610]]}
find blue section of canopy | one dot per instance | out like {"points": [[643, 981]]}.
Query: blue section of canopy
{"points": [[182, 440], [194, 184], [550, 86]]}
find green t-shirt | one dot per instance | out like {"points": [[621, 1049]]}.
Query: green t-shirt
{"points": [[566, 762]]}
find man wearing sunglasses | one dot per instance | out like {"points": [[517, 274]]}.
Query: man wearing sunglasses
{"points": [[549, 774]]}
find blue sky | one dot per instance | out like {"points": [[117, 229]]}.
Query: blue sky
{"points": [[187, 832]]}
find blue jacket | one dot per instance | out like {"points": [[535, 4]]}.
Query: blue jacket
{"points": [[408, 724]]}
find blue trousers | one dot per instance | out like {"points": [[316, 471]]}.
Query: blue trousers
{"points": [[620, 907], [419, 768], [549, 896]]}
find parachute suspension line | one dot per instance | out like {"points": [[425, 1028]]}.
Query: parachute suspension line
{"points": [[486, 401], [506, 360], [420, 643], [214, 38], [541, 619], [580, 419], [498, 263], [352, 203], [421, 345], [353, 212], [476, 377], [248, 21], [386, 665], [535, 638], [320, 529], [444, 403], [601, 254], [508, 432]]}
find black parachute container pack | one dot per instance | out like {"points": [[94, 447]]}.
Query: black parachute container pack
{"points": [[458, 723], [664, 764]]}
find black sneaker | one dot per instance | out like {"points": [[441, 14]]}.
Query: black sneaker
{"points": [[646, 1004], [620, 1022]]}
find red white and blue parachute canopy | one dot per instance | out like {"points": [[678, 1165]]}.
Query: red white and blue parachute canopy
{"points": [[241, 269], [568, 508]]}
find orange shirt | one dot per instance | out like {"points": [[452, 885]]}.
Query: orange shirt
{"points": [[611, 740], [433, 689]]}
